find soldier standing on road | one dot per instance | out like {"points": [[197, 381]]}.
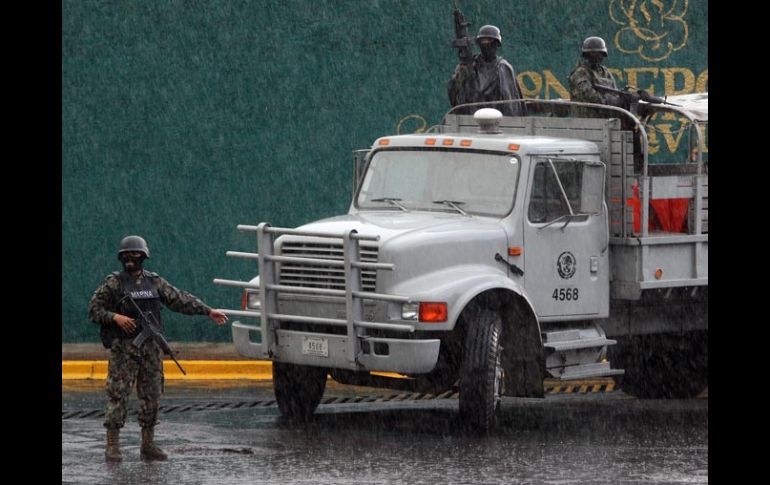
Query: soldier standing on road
{"points": [[129, 364], [487, 78], [589, 72]]}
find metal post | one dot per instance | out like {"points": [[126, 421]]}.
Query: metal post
{"points": [[644, 189], [623, 183], [699, 178], [267, 278], [353, 284], [698, 222]]}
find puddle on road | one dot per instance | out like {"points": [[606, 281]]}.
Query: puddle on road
{"points": [[214, 450]]}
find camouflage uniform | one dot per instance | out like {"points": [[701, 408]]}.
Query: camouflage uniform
{"points": [[128, 364], [581, 81]]}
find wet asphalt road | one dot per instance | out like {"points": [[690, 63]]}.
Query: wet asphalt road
{"points": [[604, 438]]}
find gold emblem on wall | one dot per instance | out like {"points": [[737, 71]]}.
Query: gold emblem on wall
{"points": [[653, 29], [408, 123]]}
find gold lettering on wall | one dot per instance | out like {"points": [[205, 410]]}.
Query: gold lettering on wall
{"points": [[531, 84], [672, 138], [678, 80], [551, 82], [619, 76], [702, 84], [635, 76]]}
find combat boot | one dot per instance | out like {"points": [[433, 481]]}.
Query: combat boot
{"points": [[149, 451], [112, 454]]}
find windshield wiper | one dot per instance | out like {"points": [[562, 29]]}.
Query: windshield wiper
{"points": [[391, 201], [454, 204]]}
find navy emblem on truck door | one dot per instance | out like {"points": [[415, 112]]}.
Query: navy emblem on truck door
{"points": [[565, 265]]}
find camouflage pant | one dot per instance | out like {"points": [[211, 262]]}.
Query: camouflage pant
{"points": [[129, 364]]}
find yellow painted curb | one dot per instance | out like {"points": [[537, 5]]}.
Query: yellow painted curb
{"points": [[196, 369]]}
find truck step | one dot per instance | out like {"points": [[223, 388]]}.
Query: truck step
{"points": [[579, 343], [598, 369]]}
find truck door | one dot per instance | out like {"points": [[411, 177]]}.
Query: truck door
{"points": [[566, 238]]}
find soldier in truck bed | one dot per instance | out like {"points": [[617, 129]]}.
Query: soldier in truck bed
{"points": [[589, 72], [127, 363], [488, 78]]}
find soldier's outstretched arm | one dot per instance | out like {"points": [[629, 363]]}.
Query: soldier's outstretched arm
{"points": [[184, 302], [179, 300], [218, 317]]}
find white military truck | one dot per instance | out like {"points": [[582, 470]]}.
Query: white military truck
{"points": [[490, 253]]}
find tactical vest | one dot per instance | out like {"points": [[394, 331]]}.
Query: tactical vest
{"points": [[145, 294], [603, 77]]}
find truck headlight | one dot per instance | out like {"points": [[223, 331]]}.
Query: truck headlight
{"points": [[410, 311], [252, 300]]}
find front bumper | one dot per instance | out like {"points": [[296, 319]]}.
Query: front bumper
{"points": [[406, 356]]}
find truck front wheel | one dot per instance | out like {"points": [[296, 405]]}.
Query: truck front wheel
{"points": [[298, 389], [481, 374]]}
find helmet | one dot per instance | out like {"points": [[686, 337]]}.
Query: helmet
{"points": [[134, 243], [594, 44], [489, 31]]}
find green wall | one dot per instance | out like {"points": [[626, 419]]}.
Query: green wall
{"points": [[182, 119]]}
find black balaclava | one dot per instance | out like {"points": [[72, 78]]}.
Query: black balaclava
{"points": [[594, 59], [131, 264], [489, 51]]}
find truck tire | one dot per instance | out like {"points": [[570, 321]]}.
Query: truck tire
{"points": [[481, 375], [662, 366], [298, 389]]}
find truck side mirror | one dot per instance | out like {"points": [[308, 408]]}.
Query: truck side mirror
{"points": [[360, 158], [592, 196]]}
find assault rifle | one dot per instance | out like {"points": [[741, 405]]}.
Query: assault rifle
{"points": [[150, 329], [633, 96], [462, 41]]}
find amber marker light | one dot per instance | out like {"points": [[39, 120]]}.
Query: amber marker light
{"points": [[513, 147], [433, 312], [448, 142], [465, 143], [430, 141], [514, 251], [384, 141], [658, 274]]}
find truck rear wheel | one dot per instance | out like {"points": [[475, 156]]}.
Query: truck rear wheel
{"points": [[298, 389], [662, 366], [481, 374]]}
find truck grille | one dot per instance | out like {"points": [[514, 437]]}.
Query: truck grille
{"points": [[316, 276]]}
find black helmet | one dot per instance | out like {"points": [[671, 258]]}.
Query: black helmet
{"points": [[491, 32], [134, 243], [594, 44]]}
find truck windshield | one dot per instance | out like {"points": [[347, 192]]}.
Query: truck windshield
{"points": [[480, 183]]}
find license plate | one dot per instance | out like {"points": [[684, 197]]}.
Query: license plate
{"points": [[315, 346]]}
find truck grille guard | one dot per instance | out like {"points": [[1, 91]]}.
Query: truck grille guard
{"points": [[270, 287]]}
